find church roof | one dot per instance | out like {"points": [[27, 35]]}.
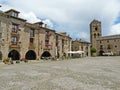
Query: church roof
{"points": [[109, 37]]}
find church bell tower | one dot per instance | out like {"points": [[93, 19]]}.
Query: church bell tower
{"points": [[95, 32]]}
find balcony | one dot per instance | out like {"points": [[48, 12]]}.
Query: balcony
{"points": [[14, 33], [48, 34], [47, 45], [14, 45], [46, 38], [47, 48]]}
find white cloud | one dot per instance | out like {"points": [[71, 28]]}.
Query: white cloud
{"points": [[48, 23], [30, 17], [70, 15], [115, 29]]}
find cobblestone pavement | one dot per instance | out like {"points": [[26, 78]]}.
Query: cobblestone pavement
{"points": [[90, 73]]}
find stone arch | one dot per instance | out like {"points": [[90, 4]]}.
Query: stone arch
{"points": [[30, 55], [98, 34], [101, 53], [0, 55], [14, 55], [94, 35], [45, 54]]}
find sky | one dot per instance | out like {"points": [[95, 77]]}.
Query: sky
{"points": [[71, 16]]}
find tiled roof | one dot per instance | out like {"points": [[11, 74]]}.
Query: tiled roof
{"points": [[109, 37]]}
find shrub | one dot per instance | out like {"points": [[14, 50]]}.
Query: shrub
{"points": [[6, 60], [93, 50]]}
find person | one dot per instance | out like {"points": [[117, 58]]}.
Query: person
{"points": [[64, 55], [10, 61]]}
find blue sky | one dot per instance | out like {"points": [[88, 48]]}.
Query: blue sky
{"points": [[117, 21], [71, 16]]}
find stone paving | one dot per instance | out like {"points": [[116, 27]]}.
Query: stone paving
{"points": [[89, 73]]}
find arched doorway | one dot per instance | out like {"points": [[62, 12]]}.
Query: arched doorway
{"points": [[30, 55], [101, 53], [0, 55], [45, 55], [14, 55]]}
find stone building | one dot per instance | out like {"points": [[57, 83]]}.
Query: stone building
{"points": [[103, 44], [95, 31], [20, 39], [81, 45], [108, 44], [85, 46]]}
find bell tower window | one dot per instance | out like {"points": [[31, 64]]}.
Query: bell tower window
{"points": [[94, 35], [96, 28]]}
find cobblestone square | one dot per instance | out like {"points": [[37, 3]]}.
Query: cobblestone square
{"points": [[89, 73]]}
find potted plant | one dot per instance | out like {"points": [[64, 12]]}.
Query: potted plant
{"points": [[93, 51]]}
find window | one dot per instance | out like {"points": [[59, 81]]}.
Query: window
{"points": [[98, 34], [96, 28], [107, 41], [108, 47], [15, 28], [14, 40], [115, 46], [94, 35], [31, 40], [62, 43], [101, 46], [14, 14], [31, 33], [82, 48], [0, 23]]}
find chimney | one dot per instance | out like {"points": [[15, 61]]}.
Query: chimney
{"points": [[45, 25]]}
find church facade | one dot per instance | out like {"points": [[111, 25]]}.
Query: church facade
{"points": [[103, 44]]}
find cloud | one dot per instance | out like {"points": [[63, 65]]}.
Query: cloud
{"points": [[83, 35], [70, 15], [115, 29], [48, 23], [30, 17]]}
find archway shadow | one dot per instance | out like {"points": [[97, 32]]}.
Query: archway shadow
{"points": [[30, 55], [14, 55], [45, 55]]}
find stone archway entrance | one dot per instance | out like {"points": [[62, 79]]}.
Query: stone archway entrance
{"points": [[101, 53], [0, 55], [45, 55], [30, 55], [14, 55]]}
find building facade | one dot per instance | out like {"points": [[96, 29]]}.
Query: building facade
{"points": [[103, 44], [20, 39], [95, 31], [81, 45]]}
